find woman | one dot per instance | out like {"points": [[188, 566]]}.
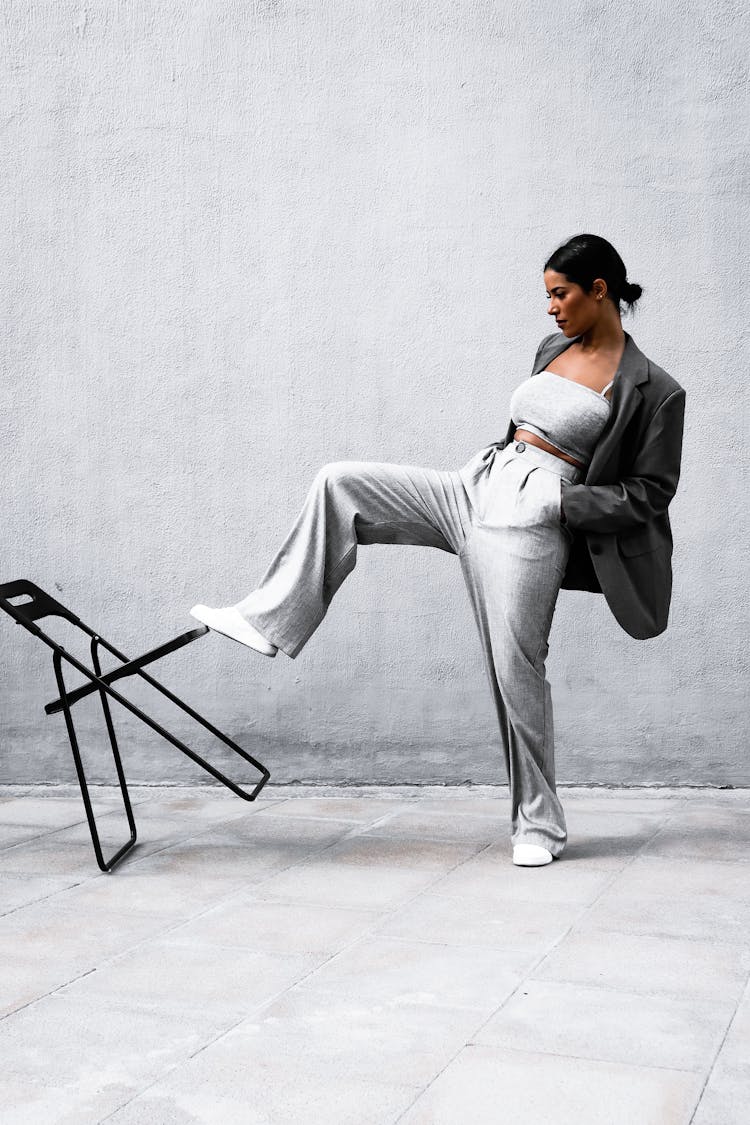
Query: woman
{"points": [[576, 496]]}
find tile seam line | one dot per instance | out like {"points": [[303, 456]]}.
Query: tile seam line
{"points": [[650, 995], [163, 934], [160, 935], [366, 932], [42, 898], [369, 930], [201, 914], [582, 1058], [172, 1067], [137, 859], [348, 834], [712, 1066], [52, 992], [257, 1012], [532, 968]]}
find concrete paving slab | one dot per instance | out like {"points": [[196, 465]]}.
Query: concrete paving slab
{"points": [[332, 1037], [141, 887], [92, 1057], [267, 826], [735, 1050], [200, 809], [158, 831], [725, 1100], [659, 965], [600, 849], [54, 812], [247, 922], [208, 987], [252, 849], [449, 825], [12, 834], [677, 898], [380, 970], [20, 890], [726, 1097], [485, 1085], [208, 1091], [285, 916], [368, 849], [524, 930], [594, 833], [703, 833], [26, 980], [492, 876], [311, 1057], [206, 858], [357, 810], [610, 1025], [49, 943], [367, 886], [59, 855], [153, 832], [455, 803], [657, 875]]}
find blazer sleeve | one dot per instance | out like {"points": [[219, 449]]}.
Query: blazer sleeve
{"points": [[647, 491]]}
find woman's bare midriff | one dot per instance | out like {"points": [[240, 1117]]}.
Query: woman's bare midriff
{"points": [[534, 439]]}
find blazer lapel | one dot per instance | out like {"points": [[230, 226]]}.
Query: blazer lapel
{"points": [[626, 398], [553, 349]]}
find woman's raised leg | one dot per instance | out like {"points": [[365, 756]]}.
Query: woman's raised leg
{"points": [[350, 503]]}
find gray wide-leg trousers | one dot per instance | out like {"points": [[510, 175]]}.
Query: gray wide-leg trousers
{"points": [[500, 514]]}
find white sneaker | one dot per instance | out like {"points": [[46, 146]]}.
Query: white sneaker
{"points": [[531, 855], [230, 623]]}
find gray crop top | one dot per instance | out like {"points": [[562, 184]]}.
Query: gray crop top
{"points": [[567, 414]]}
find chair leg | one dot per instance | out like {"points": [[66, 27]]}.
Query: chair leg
{"points": [[104, 864]]}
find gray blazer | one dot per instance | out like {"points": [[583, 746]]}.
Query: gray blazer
{"points": [[621, 534]]}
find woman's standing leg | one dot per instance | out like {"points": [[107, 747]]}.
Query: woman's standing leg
{"points": [[513, 563], [351, 503]]}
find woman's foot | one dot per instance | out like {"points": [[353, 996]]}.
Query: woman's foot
{"points": [[230, 623], [531, 855]]}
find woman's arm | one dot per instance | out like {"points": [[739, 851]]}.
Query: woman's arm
{"points": [[636, 499]]}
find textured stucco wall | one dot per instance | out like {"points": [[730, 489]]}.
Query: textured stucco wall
{"points": [[242, 240]]}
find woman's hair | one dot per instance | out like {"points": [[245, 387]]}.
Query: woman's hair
{"points": [[586, 257]]}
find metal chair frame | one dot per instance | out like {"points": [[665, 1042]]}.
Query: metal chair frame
{"points": [[38, 604]]}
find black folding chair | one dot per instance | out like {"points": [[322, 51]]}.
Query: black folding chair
{"points": [[26, 604]]}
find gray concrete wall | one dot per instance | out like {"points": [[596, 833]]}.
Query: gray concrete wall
{"points": [[242, 240]]}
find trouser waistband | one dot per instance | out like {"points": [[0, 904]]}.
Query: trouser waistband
{"points": [[546, 460]]}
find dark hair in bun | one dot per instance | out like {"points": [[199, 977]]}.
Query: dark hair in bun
{"points": [[585, 257]]}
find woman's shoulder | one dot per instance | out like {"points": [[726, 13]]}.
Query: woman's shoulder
{"points": [[665, 383], [545, 344]]}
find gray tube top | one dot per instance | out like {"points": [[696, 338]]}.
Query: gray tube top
{"points": [[568, 415]]}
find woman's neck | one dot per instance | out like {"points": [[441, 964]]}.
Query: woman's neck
{"points": [[606, 336]]}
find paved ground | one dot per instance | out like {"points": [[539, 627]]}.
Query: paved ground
{"points": [[330, 956]]}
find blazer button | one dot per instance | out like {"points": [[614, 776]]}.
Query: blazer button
{"points": [[520, 446], [596, 548]]}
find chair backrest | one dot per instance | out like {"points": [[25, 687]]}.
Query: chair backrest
{"points": [[26, 603]]}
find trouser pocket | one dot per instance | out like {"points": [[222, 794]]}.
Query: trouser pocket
{"points": [[539, 498]]}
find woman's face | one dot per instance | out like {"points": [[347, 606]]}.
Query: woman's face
{"points": [[574, 310]]}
